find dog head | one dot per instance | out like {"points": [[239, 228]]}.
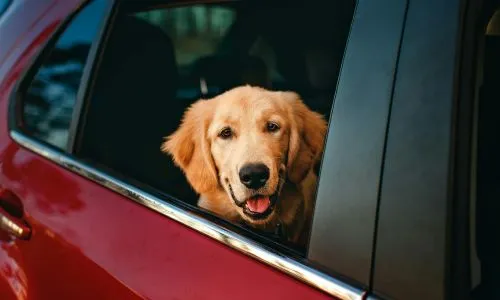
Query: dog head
{"points": [[247, 142]]}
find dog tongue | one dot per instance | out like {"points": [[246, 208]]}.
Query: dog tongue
{"points": [[258, 205]]}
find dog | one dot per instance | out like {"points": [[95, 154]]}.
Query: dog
{"points": [[249, 153]]}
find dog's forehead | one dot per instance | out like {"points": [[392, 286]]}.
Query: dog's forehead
{"points": [[248, 101]]}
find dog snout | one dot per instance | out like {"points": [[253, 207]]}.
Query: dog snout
{"points": [[254, 175]]}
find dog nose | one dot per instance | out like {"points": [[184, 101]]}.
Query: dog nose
{"points": [[254, 176]]}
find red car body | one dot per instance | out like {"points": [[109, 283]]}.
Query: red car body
{"points": [[88, 242]]}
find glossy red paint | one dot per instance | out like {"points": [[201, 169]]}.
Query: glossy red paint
{"points": [[90, 243]]}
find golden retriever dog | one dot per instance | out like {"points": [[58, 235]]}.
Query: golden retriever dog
{"points": [[249, 153]]}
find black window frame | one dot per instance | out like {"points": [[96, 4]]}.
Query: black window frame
{"points": [[422, 249], [348, 96], [345, 247]]}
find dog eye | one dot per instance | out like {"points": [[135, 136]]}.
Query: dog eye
{"points": [[226, 133], [272, 127]]}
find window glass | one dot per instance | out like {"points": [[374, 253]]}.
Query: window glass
{"points": [[196, 31], [48, 103], [158, 62], [3, 6]]}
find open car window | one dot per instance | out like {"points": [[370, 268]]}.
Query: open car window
{"points": [[159, 62]]}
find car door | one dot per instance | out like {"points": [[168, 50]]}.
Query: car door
{"points": [[76, 226], [40, 197]]}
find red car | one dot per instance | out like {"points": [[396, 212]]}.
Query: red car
{"points": [[90, 208]]}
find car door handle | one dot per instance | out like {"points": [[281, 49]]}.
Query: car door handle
{"points": [[11, 213], [14, 227]]}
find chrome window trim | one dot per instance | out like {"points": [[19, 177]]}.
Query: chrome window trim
{"points": [[304, 273]]}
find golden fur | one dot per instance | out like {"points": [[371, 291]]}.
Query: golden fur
{"points": [[211, 163]]}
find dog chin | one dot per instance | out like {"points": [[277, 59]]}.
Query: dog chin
{"points": [[256, 221]]}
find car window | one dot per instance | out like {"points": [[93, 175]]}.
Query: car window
{"points": [[156, 63], [48, 101]]}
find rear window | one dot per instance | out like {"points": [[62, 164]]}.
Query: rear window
{"points": [[48, 103], [158, 62]]}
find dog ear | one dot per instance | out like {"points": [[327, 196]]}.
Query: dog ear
{"points": [[190, 148], [307, 138]]}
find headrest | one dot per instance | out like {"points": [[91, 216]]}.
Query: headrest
{"points": [[140, 58], [223, 72], [133, 106]]}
